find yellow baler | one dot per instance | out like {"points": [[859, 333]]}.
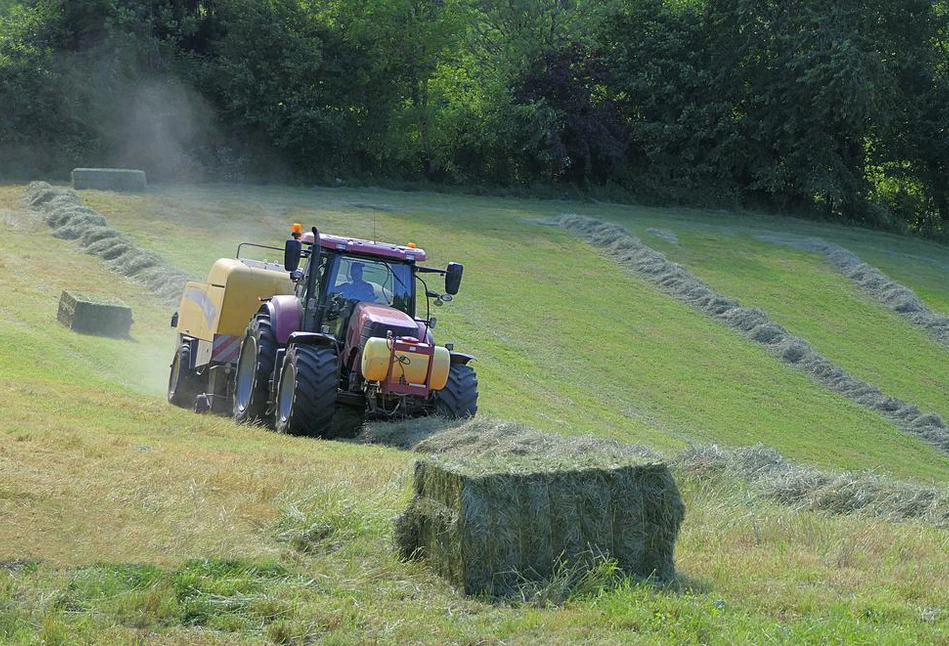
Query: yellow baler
{"points": [[223, 305], [211, 320]]}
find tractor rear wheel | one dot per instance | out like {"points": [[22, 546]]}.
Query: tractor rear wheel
{"points": [[306, 397], [184, 384], [255, 368], [459, 398]]}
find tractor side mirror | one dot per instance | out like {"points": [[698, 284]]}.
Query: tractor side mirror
{"points": [[291, 254], [453, 277]]}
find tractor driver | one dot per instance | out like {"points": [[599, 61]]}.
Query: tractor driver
{"points": [[357, 289]]}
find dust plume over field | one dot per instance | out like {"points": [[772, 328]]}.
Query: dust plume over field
{"points": [[71, 220], [630, 253], [875, 283]]}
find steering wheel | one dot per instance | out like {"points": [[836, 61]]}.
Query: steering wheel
{"points": [[334, 306]]}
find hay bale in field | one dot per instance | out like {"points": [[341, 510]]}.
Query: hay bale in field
{"points": [[105, 317], [109, 179], [491, 525]]}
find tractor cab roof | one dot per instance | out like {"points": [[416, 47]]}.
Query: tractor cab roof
{"points": [[408, 253]]}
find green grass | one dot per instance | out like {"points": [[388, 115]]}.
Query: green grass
{"points": [[553, 322], [124, 520], [805, 295]]}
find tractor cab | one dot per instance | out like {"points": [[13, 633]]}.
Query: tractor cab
{"points": [[342, 274]]}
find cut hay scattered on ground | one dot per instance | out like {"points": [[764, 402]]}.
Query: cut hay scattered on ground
{"points": [[771, 476], [630, 253], [483, 437], [766, 472], [489, 525], [64, 212], [874, 283]]}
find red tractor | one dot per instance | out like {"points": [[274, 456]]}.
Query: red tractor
{"points": [[349, 344]]}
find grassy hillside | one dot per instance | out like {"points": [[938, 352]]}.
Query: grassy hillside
{"points": [[808, 297], [553, 322], [123, 519]]}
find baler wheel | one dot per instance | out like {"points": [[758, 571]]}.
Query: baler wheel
{"points": [[254, 369], [306, 397], [459, 398], [184, 384]]}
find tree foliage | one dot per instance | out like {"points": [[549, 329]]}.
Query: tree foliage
{"points": [[837, 107]]}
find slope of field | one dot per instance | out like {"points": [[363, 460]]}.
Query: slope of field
{"points": [[124, 520], [555, 324], [808, 297]]}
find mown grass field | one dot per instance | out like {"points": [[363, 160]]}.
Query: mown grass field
{"points": [[125, 520]]}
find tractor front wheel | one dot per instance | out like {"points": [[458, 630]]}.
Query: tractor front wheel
{"points": [[184, 383], [306, 397], [459, 398], [254, 369]]}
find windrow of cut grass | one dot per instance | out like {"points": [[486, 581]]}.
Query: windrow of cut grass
{"points": [[814, 301], [71, 220], [551, 322], [755, 324], [877, 285]]}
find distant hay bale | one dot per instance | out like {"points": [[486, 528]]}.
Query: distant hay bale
{"points": [[109, 179], [490, 525], [94, 315], [630, 253]]}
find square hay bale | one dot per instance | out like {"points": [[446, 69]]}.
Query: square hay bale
{"points": [[88, 315], [491, 525], [109, 179]]}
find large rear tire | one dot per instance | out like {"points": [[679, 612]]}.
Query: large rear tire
{"points": [[306, 397], [459, 398], [184, 383], [255, 368]]}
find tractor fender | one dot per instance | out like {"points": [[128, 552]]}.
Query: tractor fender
{"points": [[311, 338], [460, 358], [286, 315]]}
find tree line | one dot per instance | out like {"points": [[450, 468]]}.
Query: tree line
{"points": [[832, 107]]}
